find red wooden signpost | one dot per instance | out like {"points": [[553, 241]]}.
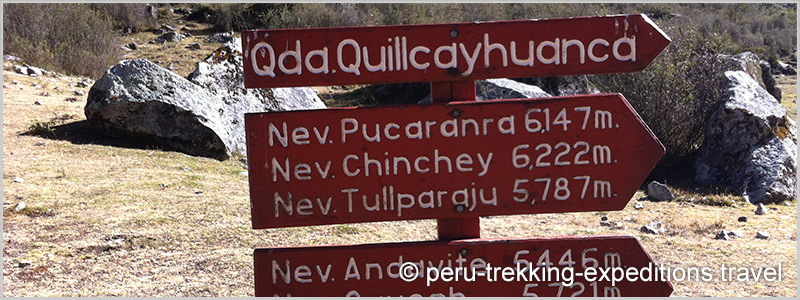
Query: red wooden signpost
{"points": [[449, 52], [502, 267], [453, 162], [456, 160]]}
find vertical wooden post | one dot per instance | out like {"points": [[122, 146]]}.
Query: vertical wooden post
{"points": [[461, 228]]}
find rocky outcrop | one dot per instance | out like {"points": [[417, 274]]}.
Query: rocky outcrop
{"points": [[784, 69], [222, 74], [202, 115], [168, 28], [492, 89], [223, 37], [750, 143], [26, 69], [170, 37], [769, 82], [139, 99], [29, 70], [193, 46], [756, 68], [659, 192]]}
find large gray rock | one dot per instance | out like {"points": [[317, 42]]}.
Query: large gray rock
{"points": [[170, 37], [653, 228], [9, 57], [21, 70], [761, 210], [26, 69], [492, 89], [222, 75], [33, 71], [757, 69], [769, 82], [223, 37], [659, 192], [750, 144], [193, 46], [784, 68], [201, 116], [139, 99], [168, 28]]}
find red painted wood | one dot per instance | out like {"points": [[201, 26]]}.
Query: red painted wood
{"points": [[460, 228], [456, 229], [463, 91], [596, 168], [324, 270], [442, 92], [271, 56]]}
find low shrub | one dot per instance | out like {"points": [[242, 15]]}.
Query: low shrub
{"points": [[47, 128], [128, 15], [71, 38], [675, 95]]}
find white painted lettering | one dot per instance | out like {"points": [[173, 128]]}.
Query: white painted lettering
{"points": [[594, 43], [298, 68], [488, 48], [266, 70], [351, 68], [453, 63]]}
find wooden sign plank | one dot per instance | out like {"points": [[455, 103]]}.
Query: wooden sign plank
{"points": [[488, 268], [441, 161], [449, 52]]}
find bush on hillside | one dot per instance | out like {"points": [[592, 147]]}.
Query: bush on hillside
{"points": [[128, 15], [70, 38], [675, 95]]}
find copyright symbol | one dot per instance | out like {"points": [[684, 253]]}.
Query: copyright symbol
{"points": [[409, 271]]}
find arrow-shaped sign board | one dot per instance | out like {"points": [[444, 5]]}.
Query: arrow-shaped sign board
{"points": [[604, 266], [456, 160], [449, 52]]}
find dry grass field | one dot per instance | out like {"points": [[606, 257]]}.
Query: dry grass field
{"points": [[788, 85], [108, 217]]}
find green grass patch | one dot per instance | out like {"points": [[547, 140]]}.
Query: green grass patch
{"points": [[149, 220], [192, 181], [47, 128]]}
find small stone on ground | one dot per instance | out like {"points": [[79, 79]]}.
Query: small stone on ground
{"points": [[761, 210]]}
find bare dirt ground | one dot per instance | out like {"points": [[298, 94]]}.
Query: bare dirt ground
{"points": [[107, 217]]}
